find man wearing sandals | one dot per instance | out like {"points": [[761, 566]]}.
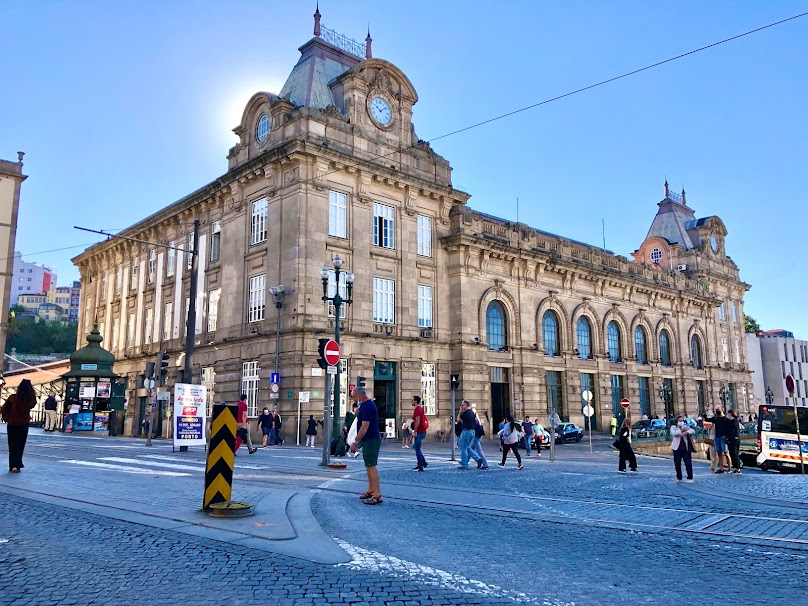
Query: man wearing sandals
{"points": [[370, 439]]}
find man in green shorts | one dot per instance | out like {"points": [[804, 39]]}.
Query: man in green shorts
{"points": [[370, 439]]}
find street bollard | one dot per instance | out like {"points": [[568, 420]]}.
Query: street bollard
{"points": [[221, 455]]}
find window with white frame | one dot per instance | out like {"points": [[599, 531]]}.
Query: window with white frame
{"points": [[383, 225], [190, 261], [209, 381], [734, 309], [135, 265], [737, 351], [257, 299], [424, 236], [114, 339], [171, 258], [185, 317], [249, 385], [130, 331], [118, 280], [384, 300], [258, 222], [332, 291], [215, 241], [213, 308], [724, 349], [722, 311], [429, 389], [167, 322], [148, 326], [337, 214], [88, 316], [151, 266], [424, 306], [103, 287]]}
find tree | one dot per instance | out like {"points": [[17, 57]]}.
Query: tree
{"points": [[30, 337], [750, 324]]}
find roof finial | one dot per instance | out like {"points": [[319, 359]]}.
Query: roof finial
{"points": [[368, 41], [317, 20], [684, 200], [667, 193]]}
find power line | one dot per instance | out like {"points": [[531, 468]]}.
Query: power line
{"points": [[43, 252]]}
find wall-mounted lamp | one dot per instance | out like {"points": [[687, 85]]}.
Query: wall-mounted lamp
{"points": [[476, 340], [535, 347]]}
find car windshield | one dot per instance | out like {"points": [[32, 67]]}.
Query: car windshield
{"points": [[641, 424]]}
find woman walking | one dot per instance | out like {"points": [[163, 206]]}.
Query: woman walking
{"points": [[682, 447], [626, 451], [16, 412], [510, 438], [311, 432]]}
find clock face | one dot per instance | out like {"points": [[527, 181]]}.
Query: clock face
{"points": [[380, 111], [714, 243]]}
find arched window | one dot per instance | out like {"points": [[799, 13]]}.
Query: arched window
{"points": [[495, 326], [664, 348], [613, 334], [549, 325], [640, 345], [584, 339], [695, 352]]}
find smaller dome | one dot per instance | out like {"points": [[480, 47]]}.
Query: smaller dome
{"points": [[93, 353]]}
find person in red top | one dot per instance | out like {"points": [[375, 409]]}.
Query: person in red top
{"points": [[420, 425], [16, 412], [243, 431]]}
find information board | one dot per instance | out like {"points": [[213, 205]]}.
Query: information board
{"points": [[189, 414]]}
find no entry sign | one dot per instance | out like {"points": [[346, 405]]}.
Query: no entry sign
{"points": [[331, 353], [624, 403]]}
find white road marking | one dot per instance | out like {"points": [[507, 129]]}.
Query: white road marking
{"points": [[111, 467], [202, 463], [150, 463]]}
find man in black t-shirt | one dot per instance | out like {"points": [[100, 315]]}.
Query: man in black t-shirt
{"points": [[466, 419]]}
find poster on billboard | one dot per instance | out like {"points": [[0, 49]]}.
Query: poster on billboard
{"points": [[189, 414]]}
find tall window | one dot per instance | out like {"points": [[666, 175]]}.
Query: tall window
{"points": [[249, 385], [695, 352], [733, 305], [424, 236], [384, 300], [700, 397], [664, 348], [332, 291], [645, 396], [383, 225], [258, 295], [209, 381], [617, 394], [152, 265], [424, 306], [148, 326], [584, 330], [337, 214], [497, 336], [549, 325], [118, 280], [130, 330], [88, 316], [722, 311], [429, 390], [258, 223], [640, 345], [171, 258], [135, 267], [213, 308], [724, 349], [613, 336], [190, 261], [668, 386], [114, 340], [103, 287], [167, 322], [555, 401], [215, 241]]}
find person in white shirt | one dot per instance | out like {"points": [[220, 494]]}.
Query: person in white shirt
{"points": [[682, 446]]}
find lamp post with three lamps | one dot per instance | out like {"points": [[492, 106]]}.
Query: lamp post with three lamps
{"points": [[337, 300]]}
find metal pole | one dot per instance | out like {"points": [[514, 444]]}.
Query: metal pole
{"points": [[590, 433], [152, 404], [151, 418], [278, 336], [799, 437], [326, 422], [337, 304], [190, 325], [552, 440], [451, 428]]}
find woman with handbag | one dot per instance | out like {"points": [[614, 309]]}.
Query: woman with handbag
{"points": [[682, 447], [510, 438], [16, 412], [624, 446]]}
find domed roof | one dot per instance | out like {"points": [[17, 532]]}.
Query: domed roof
{"points": [[93, 354]]}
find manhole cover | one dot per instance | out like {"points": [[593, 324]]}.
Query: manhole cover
{"points": [[230, 509]]}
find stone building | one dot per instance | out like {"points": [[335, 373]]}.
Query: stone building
{"points": [[11, 179], [332, 166]]}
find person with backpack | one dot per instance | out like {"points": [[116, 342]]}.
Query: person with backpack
{"points": [[510, 438], [476, 445], [420, 425], [16, 412]]}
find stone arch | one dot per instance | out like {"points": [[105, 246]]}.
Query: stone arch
{"points": [[673, 341], [497, 293], [641, 321], [622, 324], [552, 303], [257, 102], [587, 311]]}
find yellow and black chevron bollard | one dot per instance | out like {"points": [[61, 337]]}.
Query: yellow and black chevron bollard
{"points": [[221, 456]]}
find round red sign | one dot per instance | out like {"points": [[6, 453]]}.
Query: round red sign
{"points": [[624, 403], [331, 353], [790, 384]]}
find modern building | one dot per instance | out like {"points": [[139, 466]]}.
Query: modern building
{"points": [[774, 354], [11, 179], [30, 279], [58, 304], [332, 166]]}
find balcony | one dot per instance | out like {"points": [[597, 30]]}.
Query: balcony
{"points": [[384, 329]]}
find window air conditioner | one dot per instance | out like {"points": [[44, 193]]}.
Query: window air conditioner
{"points": [[681, 267]]}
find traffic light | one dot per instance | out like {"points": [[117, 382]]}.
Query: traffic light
{"points": [[454, 381], [149, 370], [163, 367], [360, 382], [321, 350]]}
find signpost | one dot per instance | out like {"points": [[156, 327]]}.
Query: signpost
{"points": [[554, 421], [189, 414], [588, 412], [790, 389], [331, 353], [302, 397], [625, 403]]}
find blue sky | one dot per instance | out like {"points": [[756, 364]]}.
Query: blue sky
{"points": [[124, 107]]}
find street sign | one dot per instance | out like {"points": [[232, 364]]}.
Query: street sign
{"points": [[274, 396], [274, 377], [588, 410], [790, 385], [331, 353], [332, 370], [148, 383], [274, 387], [587, 396], [303, 397], [625, 403], [554, 419], [316, 372]]}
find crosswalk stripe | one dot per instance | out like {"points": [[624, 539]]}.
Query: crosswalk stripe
{"points": [[150, 463], [138, 470]]}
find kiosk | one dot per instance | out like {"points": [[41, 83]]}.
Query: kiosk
{"points": [[97, 390]]}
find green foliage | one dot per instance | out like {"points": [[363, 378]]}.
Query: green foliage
{"points": [[750, 324], [30, 337]]}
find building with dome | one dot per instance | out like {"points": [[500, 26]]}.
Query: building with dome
{"points": [[331, 165]]}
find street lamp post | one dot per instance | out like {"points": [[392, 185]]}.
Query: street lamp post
{"points": [[666, 395], [278, 294], [337, 300]]}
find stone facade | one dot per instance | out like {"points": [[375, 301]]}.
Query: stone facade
{"points": [[11, 179], [333, 166]]}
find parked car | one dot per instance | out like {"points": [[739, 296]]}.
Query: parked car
{"points": [[545, 440], [568, 432]]}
